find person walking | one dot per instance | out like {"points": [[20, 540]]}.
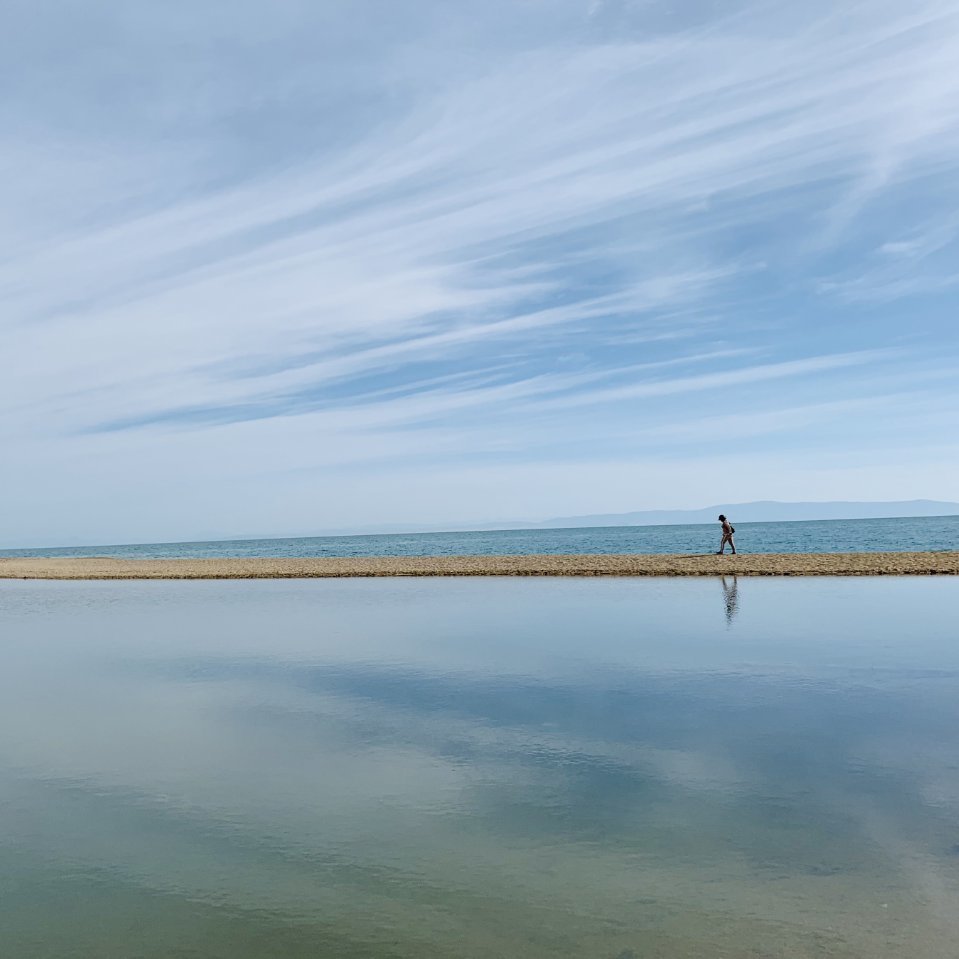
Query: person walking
{"points": [[728, 530]]}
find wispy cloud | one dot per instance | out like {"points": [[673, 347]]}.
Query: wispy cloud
{"points": [[919, 263]]}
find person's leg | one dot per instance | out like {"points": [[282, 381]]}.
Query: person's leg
{"points": [[732, 544]]}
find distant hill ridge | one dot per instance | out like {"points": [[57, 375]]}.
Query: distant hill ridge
{"points": [[763, 511]]}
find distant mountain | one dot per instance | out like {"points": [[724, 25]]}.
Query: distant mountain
{"points": [[765, 511]]}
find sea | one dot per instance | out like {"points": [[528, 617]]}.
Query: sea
{"points": [[474, 768], [820, 536]]}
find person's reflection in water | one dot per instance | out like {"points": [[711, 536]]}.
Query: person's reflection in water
{"points": [[731, 596]]}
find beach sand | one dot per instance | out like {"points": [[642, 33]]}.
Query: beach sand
{"points": [[763, 564]]}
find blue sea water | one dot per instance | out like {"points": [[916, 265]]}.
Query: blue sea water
{"points": [[818, 536]]}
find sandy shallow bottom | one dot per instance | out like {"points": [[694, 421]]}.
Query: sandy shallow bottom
{"points": [[765, 564]]}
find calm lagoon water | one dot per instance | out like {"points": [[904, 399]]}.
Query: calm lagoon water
{"points": [[480, 768]]}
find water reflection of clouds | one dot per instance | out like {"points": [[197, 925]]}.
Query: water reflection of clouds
{"points": [[405, 732], [586, 756], [441, 754]]}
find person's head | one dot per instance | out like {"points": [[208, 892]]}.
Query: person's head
{"points": [[722, 519]]}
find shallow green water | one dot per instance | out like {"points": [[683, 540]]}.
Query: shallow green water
{"points": [[423, 768]]}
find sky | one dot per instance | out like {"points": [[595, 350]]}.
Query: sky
{"points": [[276, 268]]}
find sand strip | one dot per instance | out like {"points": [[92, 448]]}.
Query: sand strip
{"points": [[764, 564]]}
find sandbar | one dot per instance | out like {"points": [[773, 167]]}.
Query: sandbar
{"points": [[646, 564]]}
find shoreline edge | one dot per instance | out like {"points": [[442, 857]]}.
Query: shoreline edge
{"points": [[944, 563]]}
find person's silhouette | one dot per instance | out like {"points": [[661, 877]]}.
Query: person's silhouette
{"points": [[728, 530]]}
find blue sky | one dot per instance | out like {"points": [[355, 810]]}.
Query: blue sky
{"points": [[275, 268]]}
